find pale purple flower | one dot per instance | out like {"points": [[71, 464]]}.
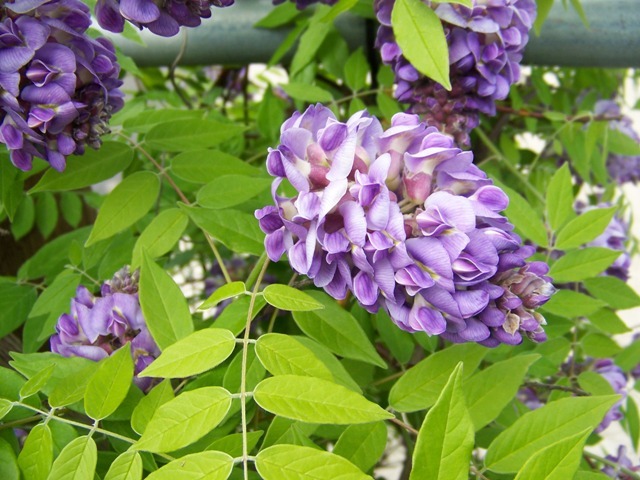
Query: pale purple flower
{"points": [[97, 326], [163, 17], [618, 381], [621, 460], [485, 49], [58, 86], [403, 220]]}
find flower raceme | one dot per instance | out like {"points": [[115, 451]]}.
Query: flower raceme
{"points": [[485, 49], [58, 86], [404, 221], [97, 326]]}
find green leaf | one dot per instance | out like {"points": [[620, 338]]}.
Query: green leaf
{"points": [[525, 218], [570, 304], [185, 419], [128, 466], [46, 210], [584, 263], [37, 381], [11, 188], [163, 305], [71, 389], [315, 400], [307, 93], [559, 201], [444, 444], [125, 205], [608, 321], [420, 386], [190, 134], [204, 166], [159, 395], [234, 315], [8, 464], [544, 7], [584, 475], [254, 372], [5, 407], [161, 235], [420, 35], [594, 383], [363, 445], [599, 346], [356, 70], [278, 16], [558, 461], [310, 43], [584, 228], [193, 354], [24, 219], [232, 444], [109, 385], [270, 114], [400, 343], [237, 230], [228, 290], [288, 298], [36, 456], [85, 170], [229, 190], [490, 390], [337, 369], [292, 462], [16, 301], [629, 358], [143, 122], [622, 144], [539, 428], [197, 466], [77, 461], [336, 328], [616, 293]]}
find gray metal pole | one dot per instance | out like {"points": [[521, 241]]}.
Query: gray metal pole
{"points": [[228, 38]]}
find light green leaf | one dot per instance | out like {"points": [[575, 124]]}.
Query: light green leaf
{"points": [[629, 357], [363, 444], [310, 42], [622, 144], [37, 381], [225, 292], [125, 205], [444, 444], [237, 230], [599, 346], [616, 293], [148, 118], [193, 354], [291, 299], [232, 444], [594, 383], [584, 228], [77, 461], [544, 7], [71, 389], [203, 166], [336, 328], [234, 315], [254, 372], [84, 170], [608, 321], [109, 385], [278, 16], [8, 464], [36, 456], [539, 428], [315, 400], [559, 201], [197, 466], [420, 35], [5, 407], [128, 466], [159, 395], [584, 475], [190, 134], [570, 304], [420, 386], [525, 218], [307, 93], [490, 390], [185, 419], [229, 190], [15, 303], [558, 461], [291, 462], [584, 263], [160, 236], [164, 307]]}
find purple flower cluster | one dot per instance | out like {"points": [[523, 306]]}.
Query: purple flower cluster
{"points": [[621, 460], [622, 168], [162, 17], [403, 220], [98, 326], [618, 381], [302, 4], [485, 49], [58, 86]]}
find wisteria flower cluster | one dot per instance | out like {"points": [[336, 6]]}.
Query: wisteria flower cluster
{"points": [[58, 86], [403, 220], [164, 17], [97, 326], [485, 49]]}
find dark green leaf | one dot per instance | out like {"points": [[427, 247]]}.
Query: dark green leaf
{"points": [[46, 210], [189, 134], [203, 166], [356, 70], [16, 301]]}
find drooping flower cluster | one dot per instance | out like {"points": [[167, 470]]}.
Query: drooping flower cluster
{"points": [[97, 326], [403, 220], [162, 17], [58, 86], [618, 381], [622, 168], [302, 4], [485, 49]]}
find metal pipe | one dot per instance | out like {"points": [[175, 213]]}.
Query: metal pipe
{"points": [[228, 38]]}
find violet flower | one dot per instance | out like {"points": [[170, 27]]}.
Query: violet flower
{"points": [[403, 220], [621, 460], [485, 49], [618, 381], [97, 326]]}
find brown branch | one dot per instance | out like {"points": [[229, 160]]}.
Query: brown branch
{"points": [[562, 388]]}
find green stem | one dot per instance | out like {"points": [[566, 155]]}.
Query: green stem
{"points": [[615, 465], [22, 421]]}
